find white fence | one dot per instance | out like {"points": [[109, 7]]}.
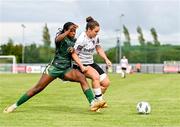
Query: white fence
{"points": [[22, 68], [145, 68]]}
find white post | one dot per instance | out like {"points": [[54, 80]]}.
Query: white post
{"points": [[14, 62], [23, 45], [14, 70]]}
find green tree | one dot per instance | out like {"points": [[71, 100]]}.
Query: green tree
{"points": [[140, 37], [11, 49], [149, 54], [45, 52], [46, 36], [32, 54], [7, 48], [155, 37], [127, 41], [149, 43]]}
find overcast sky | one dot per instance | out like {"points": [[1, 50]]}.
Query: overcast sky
{"points": [[163, 15]]}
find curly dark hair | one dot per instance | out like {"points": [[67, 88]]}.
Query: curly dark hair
{"points": [[66, 26]]}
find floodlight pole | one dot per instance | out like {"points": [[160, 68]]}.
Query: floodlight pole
{"points": [[117, 46], [120, 46], [23, 45]]}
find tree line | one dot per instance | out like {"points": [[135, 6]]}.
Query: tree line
{"points": [[145, 52], [32, 53]]}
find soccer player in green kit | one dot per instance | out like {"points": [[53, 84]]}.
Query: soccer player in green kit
{"points": [[60, 67]]}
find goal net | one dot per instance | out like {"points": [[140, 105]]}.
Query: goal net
{"points": [[8, 64]]}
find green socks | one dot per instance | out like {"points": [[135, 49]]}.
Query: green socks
{"points": [[23, 99], [89, 95]]}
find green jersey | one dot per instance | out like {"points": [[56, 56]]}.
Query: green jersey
{"points": [[62, 59]]}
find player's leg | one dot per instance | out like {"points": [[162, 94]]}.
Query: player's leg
{"points": [[123, 72], [92, 74], [42, 83], [105, 84], [76, 76], [104, 79]]}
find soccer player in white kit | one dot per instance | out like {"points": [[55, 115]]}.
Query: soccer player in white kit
{"points": [[124, 65], [85, 47]]}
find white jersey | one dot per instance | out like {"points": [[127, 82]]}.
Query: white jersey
{"points": [[124, 63], [85, 47]]}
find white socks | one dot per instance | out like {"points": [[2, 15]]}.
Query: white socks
{"points": [[14, 106], [98, 93]]}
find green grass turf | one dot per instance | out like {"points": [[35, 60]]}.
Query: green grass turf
{"points": [[64, 104]]}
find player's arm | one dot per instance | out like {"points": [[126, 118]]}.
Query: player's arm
{"points": [[77, 60], [61, 36], [101, 53]]}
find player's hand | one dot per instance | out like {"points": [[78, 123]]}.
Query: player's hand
{"points": [[72, 28], [84, 69], [108, 63], [70, 50]]}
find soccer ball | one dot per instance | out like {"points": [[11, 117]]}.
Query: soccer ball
{"points": [[143, 107]]}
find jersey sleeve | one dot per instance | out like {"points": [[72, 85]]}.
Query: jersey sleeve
{"points": [[57, 34], [80, 43], [97, 41]]}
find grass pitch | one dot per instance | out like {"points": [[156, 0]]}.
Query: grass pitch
{"points": [[64, 104]]}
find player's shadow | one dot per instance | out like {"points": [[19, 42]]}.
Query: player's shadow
{"points": [[139, 114], [64, 109]]}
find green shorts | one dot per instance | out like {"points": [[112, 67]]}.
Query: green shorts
{"points": [[56, 72]]}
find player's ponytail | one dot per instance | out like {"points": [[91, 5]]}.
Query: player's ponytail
{"points": [[91, 23], [89, 19]]}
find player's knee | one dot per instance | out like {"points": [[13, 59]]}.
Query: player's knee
{"points": [[105, 83], [81, 77]]}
